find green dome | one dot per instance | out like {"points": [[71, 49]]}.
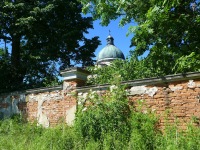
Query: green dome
{"points": [[110, 52]]}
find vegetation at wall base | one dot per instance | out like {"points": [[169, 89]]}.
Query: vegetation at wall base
{"points": [[104, 121], [17, 135]]}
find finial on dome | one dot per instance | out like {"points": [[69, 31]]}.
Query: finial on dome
{"points": [[110, 39]]}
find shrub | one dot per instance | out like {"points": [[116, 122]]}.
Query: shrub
{"points": [[105, 118]]}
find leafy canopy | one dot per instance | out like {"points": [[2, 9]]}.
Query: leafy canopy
{"points": [[42, 35], [167, 30]]}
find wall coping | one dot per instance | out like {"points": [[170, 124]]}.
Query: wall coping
{"points": [[138, 82], [44, 89], [13, 93], [147, 81], [35, 90]]}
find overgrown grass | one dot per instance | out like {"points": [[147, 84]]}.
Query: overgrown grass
{"points": [[103, 122], [17, 135]]}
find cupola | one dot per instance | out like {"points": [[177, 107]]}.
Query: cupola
{"points": [[109, 53]]}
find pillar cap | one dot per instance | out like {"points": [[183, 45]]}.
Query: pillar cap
{"points": [[75, 73]]}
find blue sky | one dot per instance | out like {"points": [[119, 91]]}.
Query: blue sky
{"points": [[121, 41]]}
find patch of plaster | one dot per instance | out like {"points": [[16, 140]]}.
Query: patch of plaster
{"points": [[7, 99], [113, 88], [14, 107], [12, 101], [152, 91], [70, 115], [138, 90], [79, 94], [22, 98], [85, 95], [6, 111], [55, 95], [175, 88], [31, 97], [42, 118], [67, 86], [191, 84]]}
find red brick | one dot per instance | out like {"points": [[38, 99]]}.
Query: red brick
{"points": [[179, 114], [197, 89], [4, 105]]}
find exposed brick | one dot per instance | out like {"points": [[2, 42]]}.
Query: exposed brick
{"points": [[4, 105], [197, 89], [182, 103], [185, 95], [22, 106]]}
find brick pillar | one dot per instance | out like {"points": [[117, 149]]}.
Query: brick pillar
{"points": [[72, 78]]}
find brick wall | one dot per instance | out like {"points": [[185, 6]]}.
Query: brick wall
{"points": [[50, 108], [174, 96], [47, 107], [12, 103], [175, 101]]}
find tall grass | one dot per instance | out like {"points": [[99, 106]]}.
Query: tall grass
{"points": [[18, 135], [105, 122]]}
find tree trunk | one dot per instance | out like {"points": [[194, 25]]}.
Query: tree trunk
{"points": [[15, 55], [15, 60]]}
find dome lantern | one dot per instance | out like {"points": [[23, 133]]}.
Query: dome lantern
{"points": [[110, 40]]}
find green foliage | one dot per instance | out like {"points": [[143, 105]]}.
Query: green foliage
{"points": [[130, 69], [19, 135], [188, 63], [16, 134], [109, 122], [135, 68], [105, 119], [175, 138], [60, 137], [167, 30], [144, 133], [42, 35]]}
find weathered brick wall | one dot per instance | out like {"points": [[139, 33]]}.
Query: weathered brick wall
{"points": [[12, 103], [176, 96], [50, 108], [47, 107], [178, 101]]}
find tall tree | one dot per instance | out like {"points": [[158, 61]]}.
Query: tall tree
{"points": [[168, 29], [42, 34]]}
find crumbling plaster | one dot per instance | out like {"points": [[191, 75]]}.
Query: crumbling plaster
{"points": [[141, 90], [40, 98], [9, 104]]}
